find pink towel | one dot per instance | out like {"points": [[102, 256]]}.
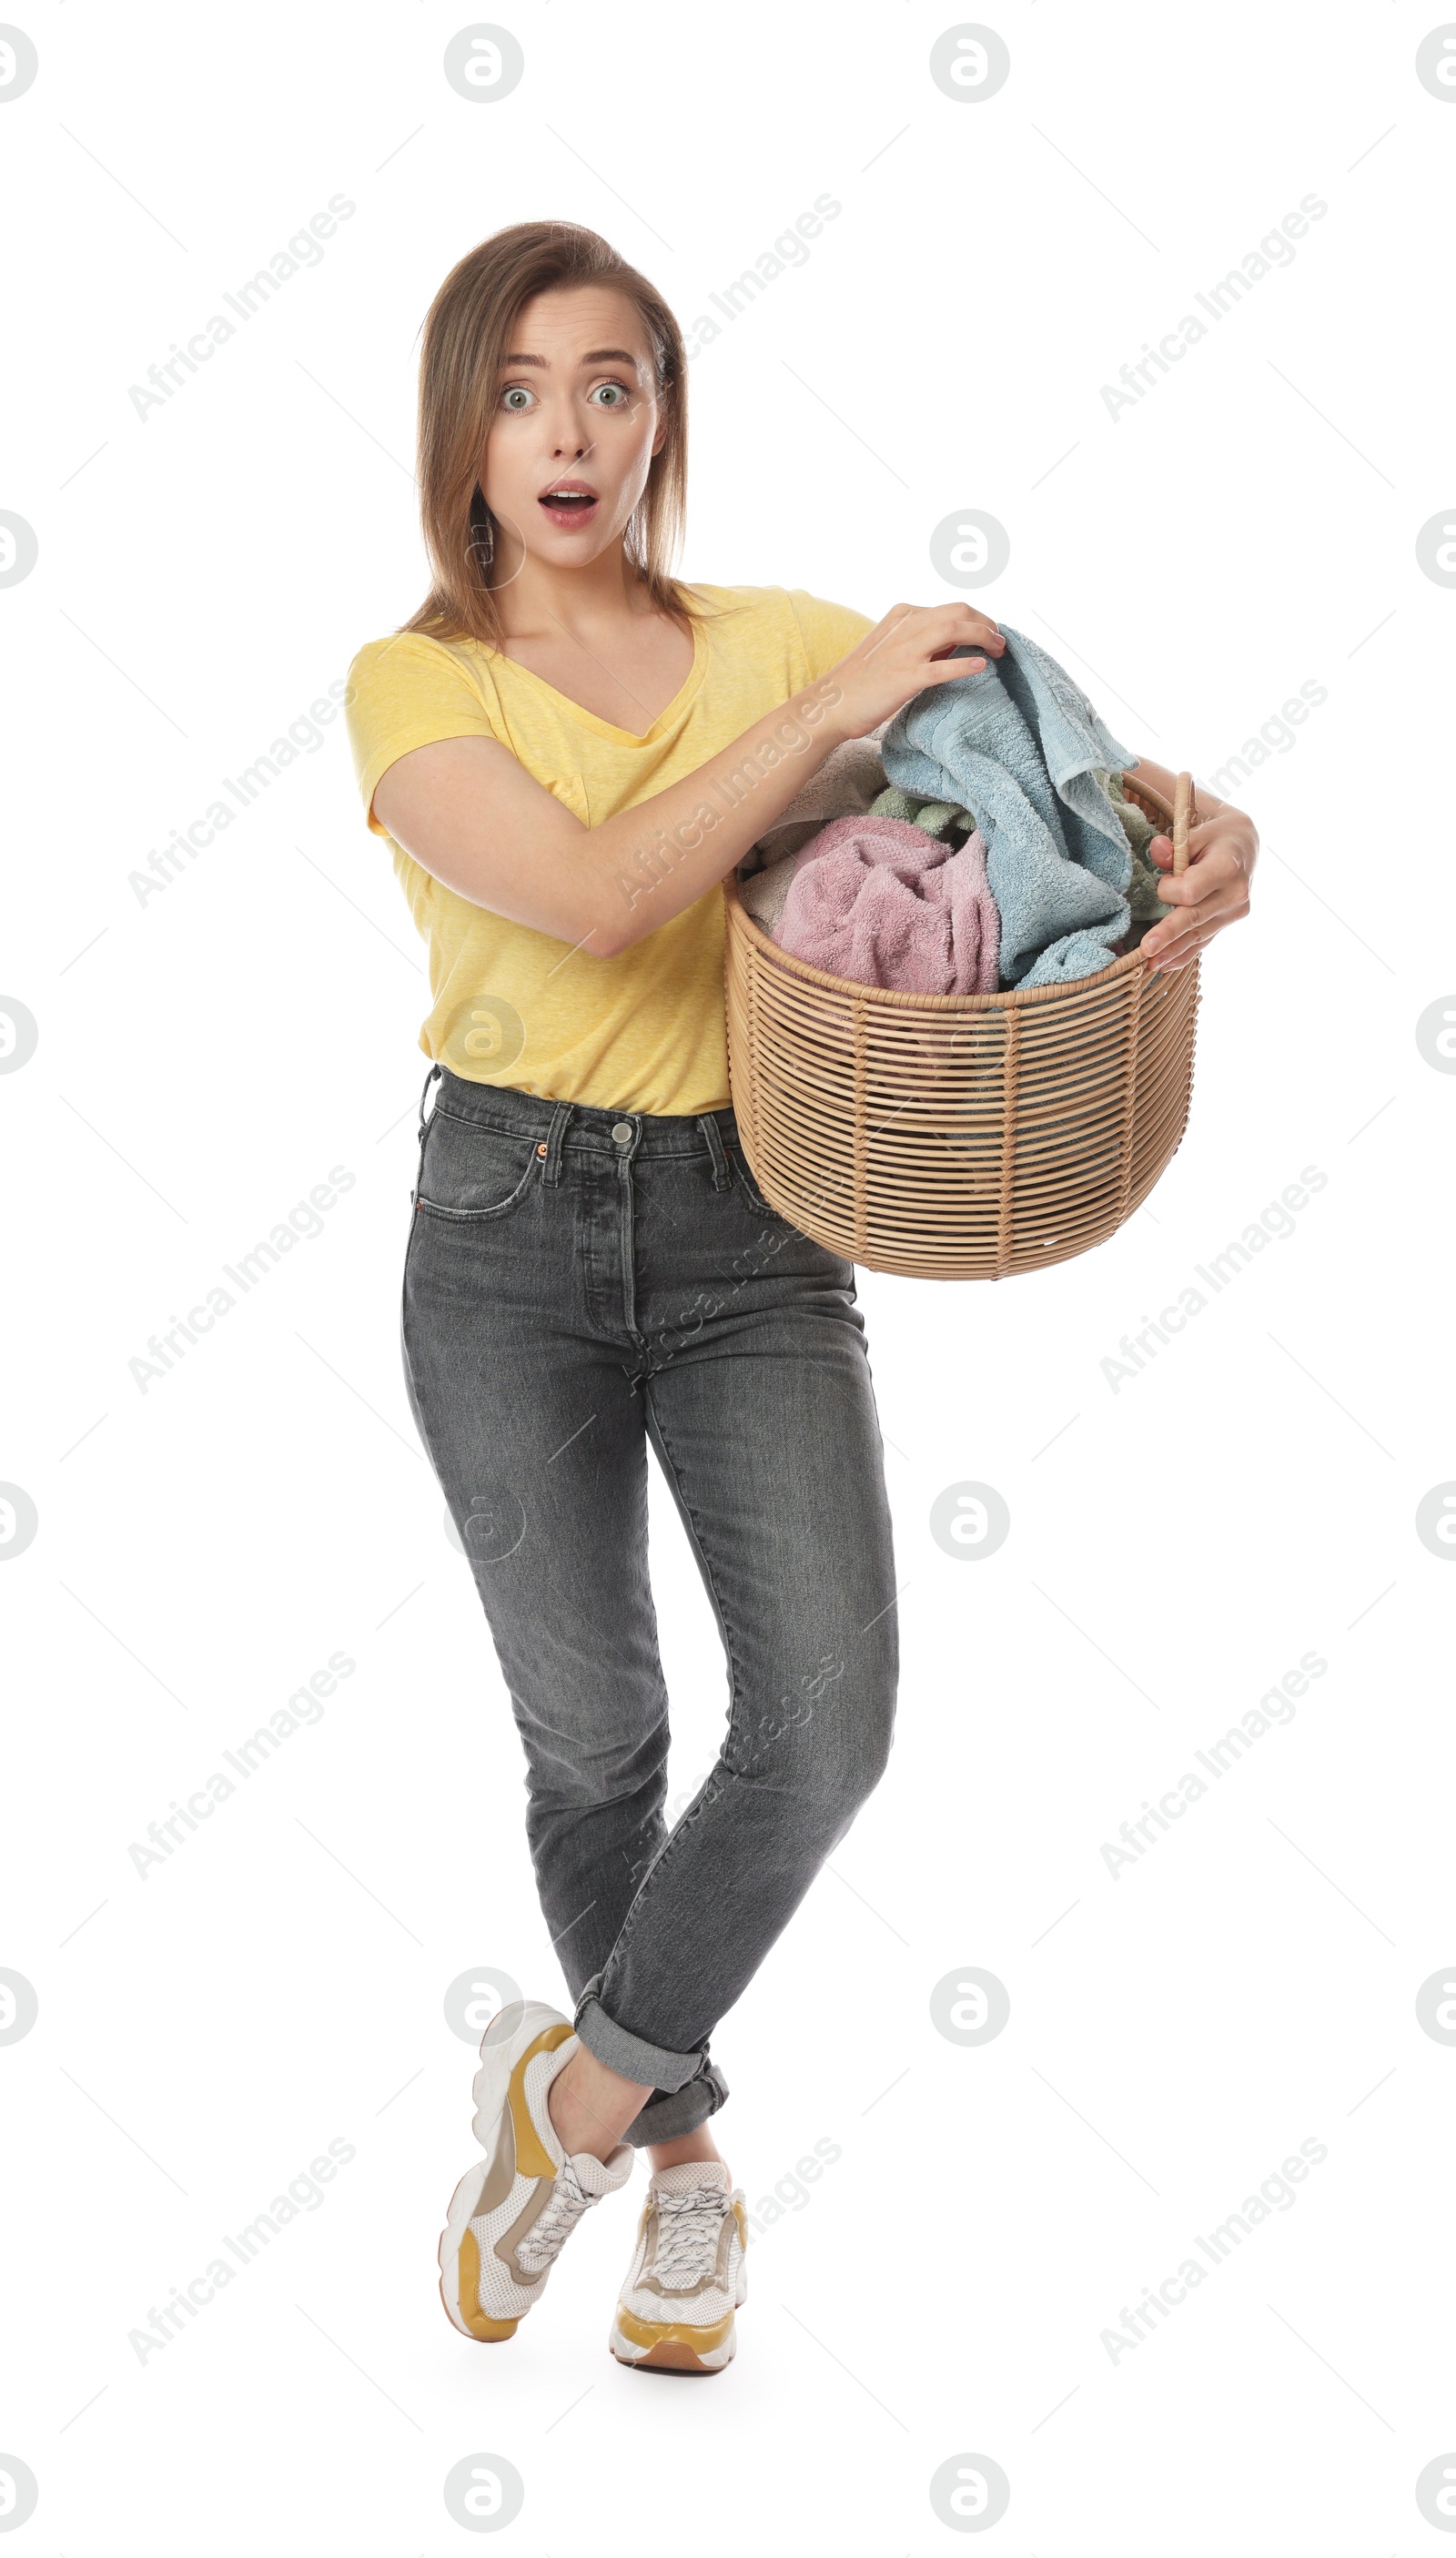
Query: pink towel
{"points": [[884, 903]]}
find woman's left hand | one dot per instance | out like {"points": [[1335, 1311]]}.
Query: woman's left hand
{"points": [[1212, 890]]}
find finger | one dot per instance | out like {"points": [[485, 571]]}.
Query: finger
{"points": [[952, 648], [966, 624], [967, 612], [1161, 851], [1194, 888], [1169, 964], [1201, 845], [1189, 890], [952, 670], [1177, 945], [1174, 930], [976, 639], [1186, 940], [1208, 918], [947, 625]]}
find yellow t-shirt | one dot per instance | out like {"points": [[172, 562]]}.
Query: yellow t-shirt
{"points": [[644, 1030]]}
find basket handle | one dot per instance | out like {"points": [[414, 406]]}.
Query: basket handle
{"points": [[1185, 809]]}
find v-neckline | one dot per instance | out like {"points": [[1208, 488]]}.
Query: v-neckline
{"points": [[609, 728]]}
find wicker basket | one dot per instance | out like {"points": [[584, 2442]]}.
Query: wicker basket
{"points": [[960, 1136]]}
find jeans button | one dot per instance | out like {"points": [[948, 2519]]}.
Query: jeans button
{"points": [[622, 1131]]}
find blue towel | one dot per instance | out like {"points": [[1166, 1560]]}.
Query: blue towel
{"points": [[1020, 746]]}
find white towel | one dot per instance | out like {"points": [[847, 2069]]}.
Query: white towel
{"points": [[851, 777]]}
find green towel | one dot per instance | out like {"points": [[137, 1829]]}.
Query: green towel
{"points": [[1145, 905], [935, 816]]}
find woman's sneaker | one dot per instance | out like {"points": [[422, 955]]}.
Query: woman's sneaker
{"points": [[510, 2215], [687, 2277]]}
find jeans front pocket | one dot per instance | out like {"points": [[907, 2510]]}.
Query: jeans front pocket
{"points": [[782, 1236], [469, 1171], [744, 1178]]}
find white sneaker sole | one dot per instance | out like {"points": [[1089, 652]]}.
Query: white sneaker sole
{"points": [[508, 2035]]}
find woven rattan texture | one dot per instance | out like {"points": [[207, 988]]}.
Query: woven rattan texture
{"points": [[958, 1136]]}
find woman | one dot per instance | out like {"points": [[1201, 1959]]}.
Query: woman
{"points": [[567, 751]]}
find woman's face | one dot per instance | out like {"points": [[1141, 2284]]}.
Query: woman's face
{"points": [[576, 423]]}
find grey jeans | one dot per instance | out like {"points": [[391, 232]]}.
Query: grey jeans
{"points": [[579, 1282]]}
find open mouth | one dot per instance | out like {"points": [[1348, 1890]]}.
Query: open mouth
{"points": [[569, 502]]}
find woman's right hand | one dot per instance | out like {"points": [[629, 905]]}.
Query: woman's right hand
{"points": [[899, 658]]}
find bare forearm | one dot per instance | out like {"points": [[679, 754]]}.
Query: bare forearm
{"points": [[651, 861], [464, 809]]}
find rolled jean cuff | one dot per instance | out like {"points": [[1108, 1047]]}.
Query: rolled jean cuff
{"points": [[649, 2063], [673, 2112]]}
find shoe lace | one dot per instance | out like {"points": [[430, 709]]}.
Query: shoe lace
{"points": [[688, 2228], [547, 2235]]}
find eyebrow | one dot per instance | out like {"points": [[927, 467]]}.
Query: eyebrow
{"points": [[598, 356]]}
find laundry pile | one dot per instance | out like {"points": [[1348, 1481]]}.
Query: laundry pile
{"points": [[979, 840]]}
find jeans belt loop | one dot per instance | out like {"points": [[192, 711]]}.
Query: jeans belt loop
{"points": [[710, 1129], [561, 1119]]}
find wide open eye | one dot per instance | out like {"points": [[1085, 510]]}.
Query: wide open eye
{"points": [[516, 397], [612, 394]]}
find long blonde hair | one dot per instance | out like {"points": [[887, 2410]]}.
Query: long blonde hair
{"points": [[467, 338]]}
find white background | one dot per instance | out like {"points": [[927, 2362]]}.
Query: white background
{"points": [[204, 1058]]}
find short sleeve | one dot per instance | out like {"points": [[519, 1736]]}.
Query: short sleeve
{"points": [[829, 630], [405, 692]]}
